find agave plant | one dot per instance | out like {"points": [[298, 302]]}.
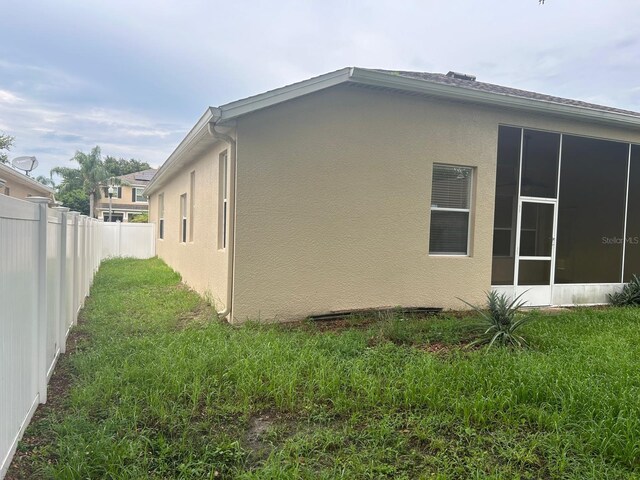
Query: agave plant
{"points": [[503, 318], [629, 296]]}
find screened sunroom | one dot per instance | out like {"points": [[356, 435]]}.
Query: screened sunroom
{"points": [[567, 216]]}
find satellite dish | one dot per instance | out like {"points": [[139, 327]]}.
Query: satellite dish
{"points": [[25, 163]]}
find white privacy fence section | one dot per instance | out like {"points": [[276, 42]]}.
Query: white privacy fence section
{"points": [[135, 240], [48, 258]]}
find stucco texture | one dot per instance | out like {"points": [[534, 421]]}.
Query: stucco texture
{"points": [[203, 267], [333, 203]]}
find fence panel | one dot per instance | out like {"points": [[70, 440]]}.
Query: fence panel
{"points": [[19, 394], [54, 227], [135, 240], [48, 259]]}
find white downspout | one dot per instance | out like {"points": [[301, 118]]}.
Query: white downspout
{"points": [[231, 215]]}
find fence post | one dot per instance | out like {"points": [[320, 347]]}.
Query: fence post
{"points": [[82, 233], [64, 273], [119, 237], [42, 203], [74, 270]]}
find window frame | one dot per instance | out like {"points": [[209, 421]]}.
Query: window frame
{"points": [[116, 194], [192, 188], [183, 218], [135, 197], [223, 199], [161, 216], [468, 210]]}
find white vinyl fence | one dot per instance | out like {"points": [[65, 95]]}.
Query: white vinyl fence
{"points": [[48, 258], [128, 240]]}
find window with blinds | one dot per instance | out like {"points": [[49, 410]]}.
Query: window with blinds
{"points": [[450, 210]]}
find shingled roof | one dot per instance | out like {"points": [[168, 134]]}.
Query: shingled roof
{"points": [[139, 178], [499, 89]]}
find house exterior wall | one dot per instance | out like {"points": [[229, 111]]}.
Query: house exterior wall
{"points": [[124, 205], [22, 191], [202, 265], [126, 196], [20, 186], [333, 201]]}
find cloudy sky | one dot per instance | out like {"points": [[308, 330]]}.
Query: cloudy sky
{"points": [[134, 76]]}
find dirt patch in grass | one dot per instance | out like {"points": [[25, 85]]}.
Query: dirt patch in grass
{"points": [[199, 315], [438, 348], [258, 426], [202, 313], [267, 431]]}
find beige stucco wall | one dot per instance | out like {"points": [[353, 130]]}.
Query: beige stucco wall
{"points": [[19, 186], [18, 190], [333, 197], [202, 265], [126, 197]]}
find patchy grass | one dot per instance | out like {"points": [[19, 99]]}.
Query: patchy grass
{"points": [[162, 390]]}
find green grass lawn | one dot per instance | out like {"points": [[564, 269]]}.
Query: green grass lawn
{"points": [[159, 389]]}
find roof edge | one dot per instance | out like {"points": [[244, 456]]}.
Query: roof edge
{"points": [[364, 76], [24, 178], [247, 105], [367, 77], [187, 143]]}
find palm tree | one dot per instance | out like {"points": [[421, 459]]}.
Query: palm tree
{"points": [[45, 181], [90, 175]]}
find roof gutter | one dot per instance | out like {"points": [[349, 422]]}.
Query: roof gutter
{"points": [[211, 129], [192, 138]]}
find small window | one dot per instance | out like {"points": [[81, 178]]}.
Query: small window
{"points": [[450, 210], [222, 201], [161, 216], [192, 188], [137, 196], [117, 192], [183, 218]]}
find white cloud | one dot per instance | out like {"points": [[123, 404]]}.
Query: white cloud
{"points": [[55, 132]]}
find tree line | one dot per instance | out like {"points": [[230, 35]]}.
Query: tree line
{"points": [[79, 187]]}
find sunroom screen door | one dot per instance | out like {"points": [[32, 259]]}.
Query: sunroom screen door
{"points": [[535, 249]]}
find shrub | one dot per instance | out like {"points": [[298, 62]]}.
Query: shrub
{"points": [[140, 218], [503, 318], [629, 296]]}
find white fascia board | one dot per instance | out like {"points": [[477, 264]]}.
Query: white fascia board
{"points": [[279, 95], [228, 112], [7, 171], [453, 92], [182, 149]]}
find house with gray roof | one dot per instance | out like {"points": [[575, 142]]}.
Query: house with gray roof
{"points": [[365, 188], [127, 200]]}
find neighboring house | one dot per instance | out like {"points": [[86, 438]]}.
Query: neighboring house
{"points": [[18, 185], [365, 188], [128, 200]]}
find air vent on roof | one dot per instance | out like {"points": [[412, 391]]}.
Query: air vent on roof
{"points": [[462, 76]]}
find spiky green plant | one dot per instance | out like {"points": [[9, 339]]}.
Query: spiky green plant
{"points": [[502, 318], [629, 296]]}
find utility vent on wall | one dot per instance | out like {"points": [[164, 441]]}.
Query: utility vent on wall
{"points": [[462, 76]]}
